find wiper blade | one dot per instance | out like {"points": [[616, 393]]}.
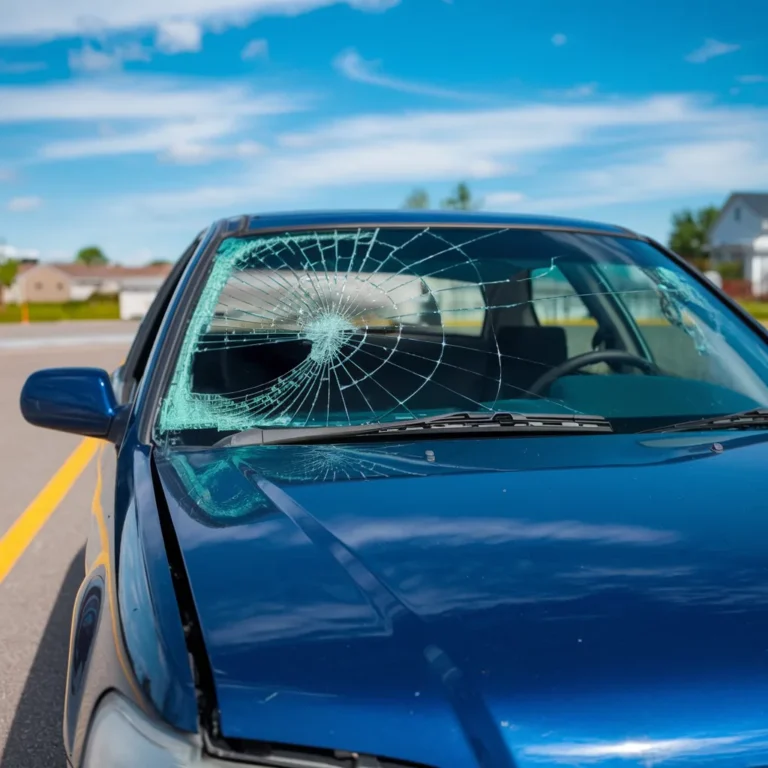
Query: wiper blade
{"points": [[461, 423], [756, 418]]}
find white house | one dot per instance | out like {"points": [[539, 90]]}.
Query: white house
{"points": [[58, 283], [740, 233]]}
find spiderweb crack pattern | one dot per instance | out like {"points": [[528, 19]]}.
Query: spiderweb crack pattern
{"points": [[351, 297]]}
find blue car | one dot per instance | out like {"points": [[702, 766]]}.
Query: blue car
{"points": [[423, 490]]}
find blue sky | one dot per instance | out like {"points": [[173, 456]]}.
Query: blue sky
{"points": [[132, 125]]}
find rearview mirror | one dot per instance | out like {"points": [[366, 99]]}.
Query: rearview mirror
{"points": [[77, 400]]}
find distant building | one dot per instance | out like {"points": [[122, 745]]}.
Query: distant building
{"points": [[740, 234], [58, 283]]}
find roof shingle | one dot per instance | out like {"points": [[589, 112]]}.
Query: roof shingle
{"points": [[757, 201]]}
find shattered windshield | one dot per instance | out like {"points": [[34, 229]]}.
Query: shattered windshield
{"points": [[344, 327]]}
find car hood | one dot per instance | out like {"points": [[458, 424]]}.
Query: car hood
{"points": [[528, 601]]}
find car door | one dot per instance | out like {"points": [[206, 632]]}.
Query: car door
{"points": [[126, 378]]}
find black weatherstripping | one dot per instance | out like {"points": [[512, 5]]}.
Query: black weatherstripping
{"points": [[171, 333], [451, 424]]}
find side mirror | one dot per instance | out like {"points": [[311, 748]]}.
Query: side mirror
{"points": [[78, 400]]}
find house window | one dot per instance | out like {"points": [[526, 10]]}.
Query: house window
{"points": [[737, 214], [60, 286], [38, 286]]}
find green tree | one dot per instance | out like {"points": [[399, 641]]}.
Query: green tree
{"points": [[8, 270], [690, 233], [92, 256], [418, 199], [461, 199]]}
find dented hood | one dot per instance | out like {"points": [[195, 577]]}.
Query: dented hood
{"points": [[529, 601]]}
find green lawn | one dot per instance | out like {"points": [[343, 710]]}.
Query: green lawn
{"points": [[101, 309], [108, 309], [758, 309]]}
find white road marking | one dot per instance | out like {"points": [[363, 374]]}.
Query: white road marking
{"points": [[66, 341]]}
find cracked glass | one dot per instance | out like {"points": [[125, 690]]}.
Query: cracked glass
{"points": [[340, 327]]}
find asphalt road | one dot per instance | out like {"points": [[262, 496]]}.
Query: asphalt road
{"points": [[37, 595]]}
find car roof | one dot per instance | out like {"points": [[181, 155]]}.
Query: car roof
{"points": [[303, 219]]}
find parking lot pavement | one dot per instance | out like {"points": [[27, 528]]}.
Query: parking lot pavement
{"points": [[37, 595]]}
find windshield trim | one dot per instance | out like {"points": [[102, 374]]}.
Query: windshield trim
{"points": [[345, 224]]}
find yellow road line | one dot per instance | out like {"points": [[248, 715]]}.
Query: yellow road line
{"points": [[23, 531]]}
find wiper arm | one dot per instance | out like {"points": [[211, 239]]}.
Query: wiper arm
{"points": [[757, 418], [460, 423]]}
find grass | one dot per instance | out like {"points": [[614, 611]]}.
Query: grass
{"points": [[108, 309], [100, 309], [758, 309]]}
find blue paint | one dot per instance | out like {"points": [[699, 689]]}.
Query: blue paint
{"points": [[78, 400], [563, 597], [149, 613], [356, 218], [456, 603]]}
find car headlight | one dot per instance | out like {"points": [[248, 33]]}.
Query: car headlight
{"points": [[121, 736]]}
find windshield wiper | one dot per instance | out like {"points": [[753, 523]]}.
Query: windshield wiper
{"points": [[461, 423], [757, 418]]}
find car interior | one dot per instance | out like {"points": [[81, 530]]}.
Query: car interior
{"points": [[518, 357]]}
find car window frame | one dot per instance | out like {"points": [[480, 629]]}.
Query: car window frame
{"points": [[134, 367], [171, 335], [609, 310]]}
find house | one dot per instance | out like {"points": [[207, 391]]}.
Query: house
{"points": [[740, 234], [59, 283]]}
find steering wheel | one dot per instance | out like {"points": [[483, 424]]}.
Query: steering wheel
{"points": [[610, 356]]}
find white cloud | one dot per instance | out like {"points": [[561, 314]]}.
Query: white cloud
{"points": [[179, 36], [24, 204], [181, 123], [21, 67], [503, 200], [191, 153], [6, 174], [174, 139], [141, 256], [92, 59], [125, 99], [89, 59], [559, 39], [492, 132], [354, 67], [56, 18], [582, 91], [425, 147], [709, 50], [695, 167], [751, 79], [255, 49]]}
